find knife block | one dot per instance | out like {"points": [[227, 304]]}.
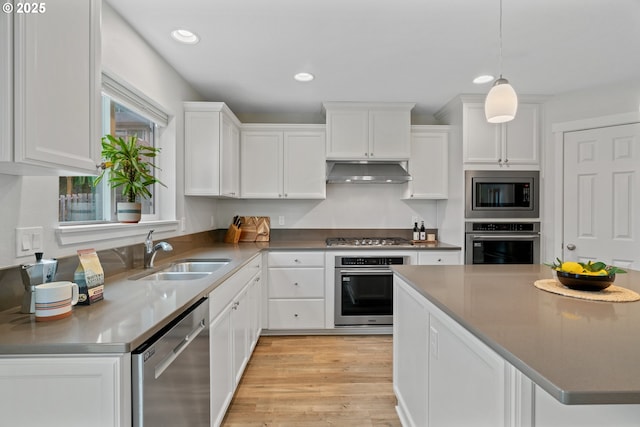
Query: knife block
{"points": [[233, 234]]}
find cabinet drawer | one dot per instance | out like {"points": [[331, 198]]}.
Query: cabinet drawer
{"points": [[296, 259], [296, 283], [296, 314], [221, 296], [438, 257]]}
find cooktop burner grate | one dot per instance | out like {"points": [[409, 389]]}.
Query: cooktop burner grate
{"points": [[368, 241]]}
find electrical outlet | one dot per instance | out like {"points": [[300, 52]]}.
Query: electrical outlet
{"points": [[281, 220], [212, 221], [415, 219], [29, 240], [183, 224]]}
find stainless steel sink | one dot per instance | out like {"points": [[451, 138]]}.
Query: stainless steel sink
{"points": [[174, 275], [186, 269], [199, 265]]}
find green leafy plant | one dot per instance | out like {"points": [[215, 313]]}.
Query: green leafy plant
{"points": [[125, 159]]}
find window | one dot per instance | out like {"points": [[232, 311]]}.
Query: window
{"points": [[124, 113]]}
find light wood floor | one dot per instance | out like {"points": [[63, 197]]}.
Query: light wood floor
{"points": [[313, 381]]}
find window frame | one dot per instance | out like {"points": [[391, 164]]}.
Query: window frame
{"points": [[82, 232]]}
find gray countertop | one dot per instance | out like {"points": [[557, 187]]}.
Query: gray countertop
{"points": [[579, 351], [132, 311]]}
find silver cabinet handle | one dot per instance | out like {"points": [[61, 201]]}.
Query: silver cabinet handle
{"points": [[571, 246]]}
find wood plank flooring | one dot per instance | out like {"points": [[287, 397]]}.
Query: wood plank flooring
{"points": [[314, 381]]}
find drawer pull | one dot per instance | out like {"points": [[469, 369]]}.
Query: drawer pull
{"points": [[295, 315], [295, 284]]}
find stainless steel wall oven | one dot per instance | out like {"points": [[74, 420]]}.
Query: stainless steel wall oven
{"points": [[502, 194], [502, 243], [364, 290]]}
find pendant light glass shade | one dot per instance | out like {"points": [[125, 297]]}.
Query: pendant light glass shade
{"points": [[501, 103]]}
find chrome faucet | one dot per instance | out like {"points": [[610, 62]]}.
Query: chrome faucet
{"points": [[150, 249]]}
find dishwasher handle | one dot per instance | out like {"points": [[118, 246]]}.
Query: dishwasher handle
{"points": [[166, 362]]}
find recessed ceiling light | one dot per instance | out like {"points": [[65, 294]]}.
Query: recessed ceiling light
{"points": [[304, 77], [185, 36], [483, 79]]}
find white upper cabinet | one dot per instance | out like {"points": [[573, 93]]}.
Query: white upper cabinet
{"points": [[212, 147], [368, 131], [50, 89], [283, 161], [429, 163], [515, 143]]}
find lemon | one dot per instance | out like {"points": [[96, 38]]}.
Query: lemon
{"points": [[572, 267]]}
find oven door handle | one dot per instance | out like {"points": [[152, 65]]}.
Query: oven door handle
{"points": [[363, 271], [506, 236]]}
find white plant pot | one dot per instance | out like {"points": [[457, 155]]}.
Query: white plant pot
{"points": [[129, 212]]}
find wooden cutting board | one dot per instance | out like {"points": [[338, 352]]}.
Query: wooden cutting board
{"points": [[255, 229]]}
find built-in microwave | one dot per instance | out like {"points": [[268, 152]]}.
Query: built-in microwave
{"points": [[502, 194]]}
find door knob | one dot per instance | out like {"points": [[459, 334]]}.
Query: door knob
{"points": [[571, 246]]}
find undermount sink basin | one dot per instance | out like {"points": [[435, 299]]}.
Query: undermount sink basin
{"points": [[175, 275], [186, 269], [199, 265]]}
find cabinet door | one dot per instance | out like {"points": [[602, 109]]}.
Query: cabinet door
{"points": [[463, 373], [296, 313], [428, 165], [482, 141], [304, 165], [230, 159], [296, 283], [410, 354], [240, 330], [6, 87], [221, 365], [521, 138], [254, 295], [347, 134], [66, 391], [261, 169], [439, 257], [389, 135], [202, 153], [57, 86]]}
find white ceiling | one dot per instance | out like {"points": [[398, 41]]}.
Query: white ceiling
{"points": [[423, 51]]}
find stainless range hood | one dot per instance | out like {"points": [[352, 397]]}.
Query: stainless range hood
{"points": [[367, 173]]}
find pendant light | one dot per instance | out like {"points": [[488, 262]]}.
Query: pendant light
{"points": [[501, 103]]}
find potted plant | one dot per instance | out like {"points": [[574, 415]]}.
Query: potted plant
{"points": [[129, 168]]}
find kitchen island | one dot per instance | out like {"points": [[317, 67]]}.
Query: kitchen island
{"points": [[480, 345]]}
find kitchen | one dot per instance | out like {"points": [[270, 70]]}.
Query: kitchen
{"points": [[24, 197]]}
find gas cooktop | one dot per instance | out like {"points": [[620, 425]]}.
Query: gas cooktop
{"points": [[368, 241]]}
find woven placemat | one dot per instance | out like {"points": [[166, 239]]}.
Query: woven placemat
{"points": [[611, 294]]}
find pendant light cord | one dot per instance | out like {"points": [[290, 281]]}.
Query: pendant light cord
{"points": [[500, 38]]}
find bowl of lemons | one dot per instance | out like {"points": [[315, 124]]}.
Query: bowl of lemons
{"points": [[589, 276]]}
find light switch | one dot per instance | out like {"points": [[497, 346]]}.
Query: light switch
{"points": [[29, 240]]}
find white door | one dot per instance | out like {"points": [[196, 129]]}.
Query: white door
{"points": [[602, 195]]}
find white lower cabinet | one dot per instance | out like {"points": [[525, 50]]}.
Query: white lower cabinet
{"points": [[410, 356], [451, 257], [66, 390], [463, 374], [234, 330], [296, 290], [444, 376]]}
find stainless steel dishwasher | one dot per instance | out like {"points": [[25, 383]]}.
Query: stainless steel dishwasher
{"points": [[170, 383]]}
